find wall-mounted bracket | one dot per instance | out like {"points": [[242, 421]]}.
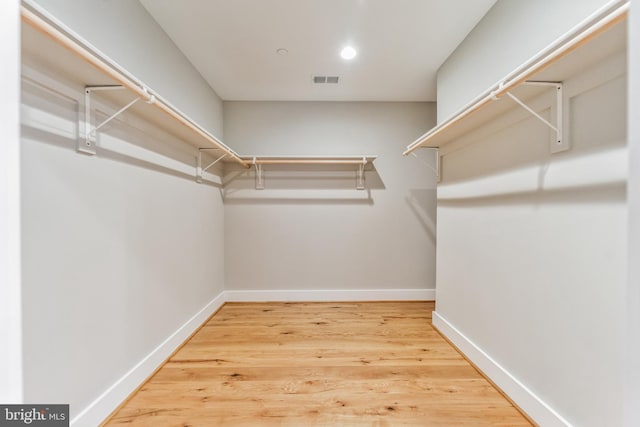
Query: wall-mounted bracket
{"points": [[438, 162], [88, 145], [259, 175], [360, 184], [199, 169], [560, 142]]}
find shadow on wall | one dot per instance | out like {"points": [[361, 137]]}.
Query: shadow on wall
{"points": [[422, 203], [614, 192], [583, 177]]}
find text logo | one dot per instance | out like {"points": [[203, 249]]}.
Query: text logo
{"points": [[34, 415]]}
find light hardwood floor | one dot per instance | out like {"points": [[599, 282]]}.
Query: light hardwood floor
{"points": [[318, 364]]}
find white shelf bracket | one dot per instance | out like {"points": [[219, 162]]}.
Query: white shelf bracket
{"points": [[560, 143], [199, 169], [438, 162], [259, 175], [88, 145], [360, 184]]}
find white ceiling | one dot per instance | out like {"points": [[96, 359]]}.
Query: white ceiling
{"points": [[400, 44]]}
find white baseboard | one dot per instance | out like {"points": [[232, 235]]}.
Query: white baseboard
{"points": [[102, 407], [531, 404], [331, 295]]}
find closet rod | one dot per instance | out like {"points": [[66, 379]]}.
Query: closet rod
{"points": [[64, 40], [559, 49], [306, 161]]}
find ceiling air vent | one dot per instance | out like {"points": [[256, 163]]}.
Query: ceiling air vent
{"points": [[325, 79]]}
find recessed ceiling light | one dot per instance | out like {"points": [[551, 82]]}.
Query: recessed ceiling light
{"points": [[348, 53], [282, 51]]}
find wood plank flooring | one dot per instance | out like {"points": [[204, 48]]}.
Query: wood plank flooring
{"points": [[318, 364]]}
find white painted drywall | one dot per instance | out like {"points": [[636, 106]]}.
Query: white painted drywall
{"points": [[10, 295], [120, 249], [532, 248], [310, 228], [512, 32], [632, 365], [127, 34]]}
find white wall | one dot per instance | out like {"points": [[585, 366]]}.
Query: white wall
{"points": [[632, 362], [532, 250], [125, 32], [310, 229], [10, 298], [119, 250], [122, 252], [511, 32]]}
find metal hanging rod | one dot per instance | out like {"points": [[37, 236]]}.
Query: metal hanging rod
{"points": [[307, 161], [121, 77]]}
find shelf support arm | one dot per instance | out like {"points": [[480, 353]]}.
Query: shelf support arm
{"points": [[558, 127], [259, 175], [199, 169], [360, 184], [438, 161], [89, 146]]}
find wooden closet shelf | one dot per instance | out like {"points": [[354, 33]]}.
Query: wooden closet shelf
{"points": [[596, 38]]}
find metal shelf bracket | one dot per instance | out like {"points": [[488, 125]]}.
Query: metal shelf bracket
{"points": [[259, 175], [438, 161], [360, 184], [199, 169], [560, 143], [88, 145]]}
